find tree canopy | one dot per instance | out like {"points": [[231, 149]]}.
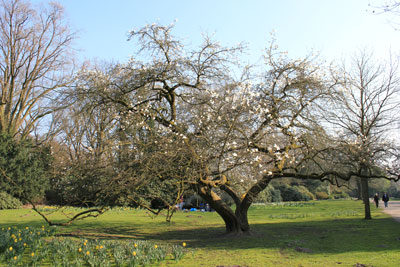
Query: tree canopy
{"points": [[235, 127]]}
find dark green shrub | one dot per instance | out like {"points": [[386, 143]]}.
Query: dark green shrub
{"points": [[9, 202], [305, 193], [270, 194], [313, 185], [294, 193], [24, 167], [275, 195]]}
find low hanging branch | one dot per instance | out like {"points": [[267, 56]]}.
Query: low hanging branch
{"points": [[170, 211], [144, 206], [94, 212]]}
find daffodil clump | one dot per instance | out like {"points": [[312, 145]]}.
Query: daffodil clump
{"points": [[17, 245], [38, 246], [110, 252]]}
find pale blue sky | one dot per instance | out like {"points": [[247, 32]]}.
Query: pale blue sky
{"points": [[335, 28]]}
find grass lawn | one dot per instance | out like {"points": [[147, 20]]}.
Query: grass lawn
{"points": [[320, 233]]}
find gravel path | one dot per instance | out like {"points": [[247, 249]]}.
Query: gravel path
{"points": [[393, 209]]}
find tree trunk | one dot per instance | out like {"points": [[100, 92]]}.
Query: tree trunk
{"points": [[365, 197], [236, 223], [359, 190]]}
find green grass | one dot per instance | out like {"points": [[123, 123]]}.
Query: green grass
{"points": [[323, 233]]}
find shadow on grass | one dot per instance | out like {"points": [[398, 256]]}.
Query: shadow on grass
{"points": [[332, 235], [326, 236]]}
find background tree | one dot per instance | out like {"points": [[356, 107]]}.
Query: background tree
{"points": [[111, 156], [364, 117], [35, 62]]}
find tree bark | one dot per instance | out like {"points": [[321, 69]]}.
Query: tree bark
{"points": [[359, 190], [365, 197], [236, 223]]}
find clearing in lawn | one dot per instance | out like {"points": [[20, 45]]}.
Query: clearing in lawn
{"points": [[316, 233]]}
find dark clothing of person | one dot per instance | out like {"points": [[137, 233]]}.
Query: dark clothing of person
{"points": [[376, 199], [385, 199]]}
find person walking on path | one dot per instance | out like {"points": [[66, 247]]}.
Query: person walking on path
{"points": [[376, 199], [385, 199]]}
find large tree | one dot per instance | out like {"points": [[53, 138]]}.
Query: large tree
{"points": [[218, 122], [236, 128], [35, 62]]}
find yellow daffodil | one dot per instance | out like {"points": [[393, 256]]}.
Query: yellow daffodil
{"points": [[134, 253], [11, 248], [101, 247], [15, 258], [184, 244], [84, 243], [155, 246], [25, 244], [97, 247], [32, 254], [8, 228], [88, 253], [80, 249], [27, 228], [135, 245]]}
